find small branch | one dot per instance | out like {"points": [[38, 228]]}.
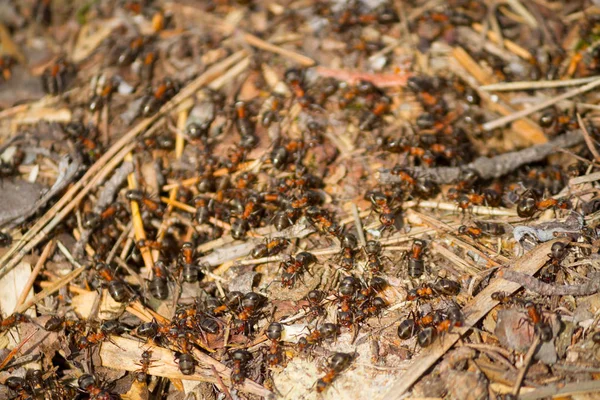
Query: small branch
{"points": [[55, 285], [489, 126], [221, 384], [138, 223], [493, 167], [379, 80], [36, 270], [358, 226], [510, 45], [534, 85], [527, 362], [292, 55], [545, 289], [14, 351], [588, 139]]}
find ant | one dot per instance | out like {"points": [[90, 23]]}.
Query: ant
{"points": [[240, 359], [443, 286], [217, 307], [204, 209], [426, 189], [412, 325], [315, 298], [149, 57], [348, 244], [56, 323], [338, 363], [126, 55], [56, 77], [558, 252], [446, 287], [416, 265], [12, 321], [5, 239], [451, 318], [294, 78], [187, 363], [323, 221], [272, 107], [373, 250], [347, 291], [325, 331], [116, 288], [271, 248], [93, 338], [370, 120], [540, 325], [295, 266], [326, 88], [84, 139], [158, 284], [381, 204], [102, 98], [250, 304], [245, 126], [474, 232], [529, 205], [425, 89], [185, 261], [274, 334], [88, 384], [32, 386], [481, 229], [93, 220], [143, 199], [6, 64], [426, 336], [370, 308], [160, 95], [145, 362]]}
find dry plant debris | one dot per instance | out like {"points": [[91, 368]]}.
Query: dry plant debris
{"points": [[299, 199]]}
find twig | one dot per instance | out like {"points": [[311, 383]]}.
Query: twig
{"points": [[584, 179], [476, 309], [14, 351], [588, 139], [358, 226], [509, 44], [562, 390], [471, 72], [379, 80], [526, 363], [179, 147], [292, 55], [493, 167], [120, 239], [534, 85], [545, 289], [489, 126], [221, 384], [36, 270], [440, 205], [138, 223], [523, 12], [55, 285]]}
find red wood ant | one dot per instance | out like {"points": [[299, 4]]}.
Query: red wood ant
{"points": [[240, 358], [327, 330], [338, 362]]}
